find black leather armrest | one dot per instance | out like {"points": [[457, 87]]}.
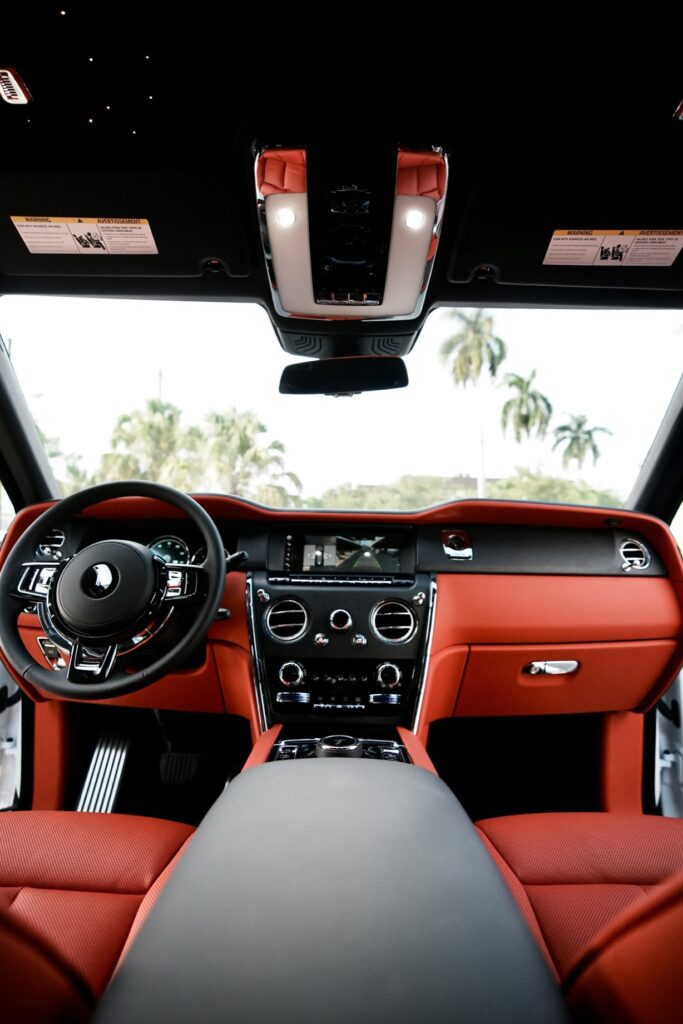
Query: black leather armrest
{"points": [[345, 891]]}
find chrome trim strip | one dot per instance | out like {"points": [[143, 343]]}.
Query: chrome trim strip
{"points": [[426, 655], [256, 669]]}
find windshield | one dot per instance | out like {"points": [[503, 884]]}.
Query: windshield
{"points": [[549, 405]]}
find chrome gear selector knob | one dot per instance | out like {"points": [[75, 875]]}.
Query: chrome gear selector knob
{"points": [[339, 745]]}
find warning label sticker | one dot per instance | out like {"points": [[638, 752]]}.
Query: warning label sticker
{"points": [[90, 236], [614, 248]]}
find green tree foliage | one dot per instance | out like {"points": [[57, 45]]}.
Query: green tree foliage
{"points": [[408, 492], [151, 444], [75, 477], [471, 351], [227, 451], [578, 440], [51, 445], [527, 411], [238, 460], [528, 486], [474, 348]]}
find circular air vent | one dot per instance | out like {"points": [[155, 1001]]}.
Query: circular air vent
{"points": [[634, 555], [286, 620], [393, 621], [51, 544]]}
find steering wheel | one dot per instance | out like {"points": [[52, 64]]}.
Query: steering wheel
{"points": [[108, 598]]}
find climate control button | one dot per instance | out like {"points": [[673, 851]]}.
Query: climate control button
{"points": [[291, 673], [388, 675]]}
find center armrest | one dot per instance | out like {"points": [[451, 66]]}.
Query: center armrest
{"points": [[334, 890]]}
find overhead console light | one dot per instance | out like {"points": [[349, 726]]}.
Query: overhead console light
{"points": [[415, 219], [286, 216], [361, 244]]}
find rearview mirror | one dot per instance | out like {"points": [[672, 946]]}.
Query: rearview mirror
{"points": [[344, 376]]}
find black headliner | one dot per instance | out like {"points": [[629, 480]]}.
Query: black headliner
{"points": [[524, 161], [562, 139]]}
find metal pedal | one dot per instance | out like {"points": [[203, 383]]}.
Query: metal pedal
{"points": [[178, 769], [103, 781]]}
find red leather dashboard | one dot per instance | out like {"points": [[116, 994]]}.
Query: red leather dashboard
{"points": [[624, 632]]}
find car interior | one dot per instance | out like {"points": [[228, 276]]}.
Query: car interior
{"points": [[266, 758]]}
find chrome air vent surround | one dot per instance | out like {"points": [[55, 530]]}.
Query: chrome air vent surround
{"points": [[51, 544], [634, 555], [286, 620], [393, 622]]}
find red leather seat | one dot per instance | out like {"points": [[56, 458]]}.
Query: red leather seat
{"points": [[35, 985], [631, 972], [78, 886], [573, 875]]}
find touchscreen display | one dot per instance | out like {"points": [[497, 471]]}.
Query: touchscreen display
{"points": [[351, 553]]}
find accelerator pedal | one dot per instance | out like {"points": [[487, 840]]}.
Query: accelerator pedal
{"points": [[178, 768], [103, 781]]}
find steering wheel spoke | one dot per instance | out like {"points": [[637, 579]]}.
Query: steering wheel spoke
{"points": [[91, 664], [183, 583], [34, 581]]}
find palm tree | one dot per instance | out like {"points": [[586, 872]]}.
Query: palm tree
{"points": [[238, 460], [151, 444], [473, 349], [578, 439], [528, 410]]}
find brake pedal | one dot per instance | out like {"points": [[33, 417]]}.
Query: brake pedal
{"points": [[103, 781], [177, 768]]}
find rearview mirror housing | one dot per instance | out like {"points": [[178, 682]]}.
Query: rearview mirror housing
{"points": [[349, 376]]}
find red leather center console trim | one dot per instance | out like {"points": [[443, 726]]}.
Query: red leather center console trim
{"points": [[262, 748], [416, 749]]}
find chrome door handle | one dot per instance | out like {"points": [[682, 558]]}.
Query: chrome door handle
{"points": [[550, 668]]}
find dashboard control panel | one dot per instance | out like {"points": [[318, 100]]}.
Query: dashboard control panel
{"points": [[326, 651]]}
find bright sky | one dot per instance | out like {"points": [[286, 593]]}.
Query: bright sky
{"points": [[82, 362]]}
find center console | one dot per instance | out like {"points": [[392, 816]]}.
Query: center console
{"points": [[338, 890], [340, 625]]}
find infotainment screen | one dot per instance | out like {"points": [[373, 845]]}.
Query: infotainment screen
{"points": [[351, 553]]}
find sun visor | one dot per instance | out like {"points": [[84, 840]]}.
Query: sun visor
{"points": [[597, 241], [120, 225]]}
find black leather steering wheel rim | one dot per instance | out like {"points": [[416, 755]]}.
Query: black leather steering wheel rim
{"points": [[119, 683]]}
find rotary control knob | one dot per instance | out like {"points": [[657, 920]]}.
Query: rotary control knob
{"points": [[291, 673], [388, 675], [339, 745], [340, 620]]}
